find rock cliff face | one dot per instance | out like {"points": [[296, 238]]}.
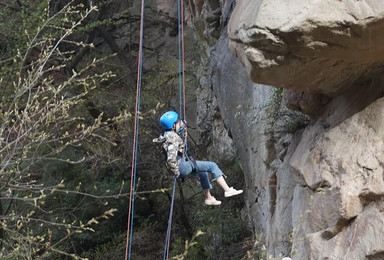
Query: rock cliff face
{"points": [[315, 183], [312, 149], [316, 46]]}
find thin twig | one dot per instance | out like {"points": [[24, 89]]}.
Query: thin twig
{"points": [[14, 8]]}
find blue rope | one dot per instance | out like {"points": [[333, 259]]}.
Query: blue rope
{"points": [[138, 100], [180, 61], [168, 235], [165, 256]]}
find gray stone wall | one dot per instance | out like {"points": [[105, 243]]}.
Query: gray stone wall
{"points": [[314, 178]]}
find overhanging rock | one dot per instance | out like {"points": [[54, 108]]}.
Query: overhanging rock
{"points": [[315, 46]]}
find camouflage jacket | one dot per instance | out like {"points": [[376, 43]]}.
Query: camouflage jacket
{"points": [[173, 145]]}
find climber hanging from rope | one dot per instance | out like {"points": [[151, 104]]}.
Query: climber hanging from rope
{"points": [[182, 165]]}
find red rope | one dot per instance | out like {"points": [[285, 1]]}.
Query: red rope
{"points": [[135, 130]]}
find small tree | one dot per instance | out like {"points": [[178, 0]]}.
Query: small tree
{"points": [[41, 118]]}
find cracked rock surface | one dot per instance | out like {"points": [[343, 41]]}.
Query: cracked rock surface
{"points": [[314, 190], [314, 178]]}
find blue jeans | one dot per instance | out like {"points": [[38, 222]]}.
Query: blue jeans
{"points": [[202, 170]]}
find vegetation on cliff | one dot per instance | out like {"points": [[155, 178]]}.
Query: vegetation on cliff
{"points": [[66, 93]]}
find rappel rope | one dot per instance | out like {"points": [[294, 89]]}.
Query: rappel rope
{"points": [[182, 113], [168, 235], [128, 246]]}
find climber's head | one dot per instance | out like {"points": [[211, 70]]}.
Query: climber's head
{"points": [[168, 120]]}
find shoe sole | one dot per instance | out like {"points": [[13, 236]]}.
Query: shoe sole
{"points": [[213, 204], [233, 194]]}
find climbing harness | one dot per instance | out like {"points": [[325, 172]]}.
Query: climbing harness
{"points": [[182, 113]]}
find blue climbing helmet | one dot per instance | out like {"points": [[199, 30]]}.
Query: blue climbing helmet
{"points": [[168, 119]]}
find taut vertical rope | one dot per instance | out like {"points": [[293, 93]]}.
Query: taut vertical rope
{"points": [[168, 235], [181, 113], [180, 60], [128, 246], [183, 55]]}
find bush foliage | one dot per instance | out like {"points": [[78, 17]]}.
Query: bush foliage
{"points": [[66, 132]]}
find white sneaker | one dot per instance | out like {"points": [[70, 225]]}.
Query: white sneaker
{"points": [[212, 202], [232, 192]]}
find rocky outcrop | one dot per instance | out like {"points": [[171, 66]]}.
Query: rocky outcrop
{"points": [[315, 188], [246, 110], [214, 137], [314, 46], [340, 177]]}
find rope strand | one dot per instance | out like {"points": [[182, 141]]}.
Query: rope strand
{"points": [[169, 228], [183, 55], [180, 60], [182, 114], [128, 245], [136, 128]]}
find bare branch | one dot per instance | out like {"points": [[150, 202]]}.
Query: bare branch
{"points": [[14, 8]]}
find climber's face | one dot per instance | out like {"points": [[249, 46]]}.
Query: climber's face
{"points": [[177, 125], [180, 126]]}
